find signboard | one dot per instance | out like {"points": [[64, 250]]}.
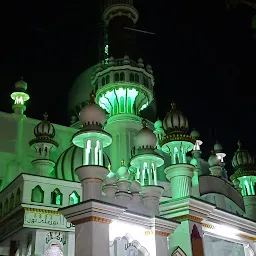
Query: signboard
{"points": [[37, 218]]}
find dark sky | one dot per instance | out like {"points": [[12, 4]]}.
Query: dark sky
{"points": [[203, 58]]}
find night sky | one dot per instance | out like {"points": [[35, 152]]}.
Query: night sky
{"points": [[203, 57]]}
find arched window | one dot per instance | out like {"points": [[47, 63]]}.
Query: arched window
{"points": [[56, 197], [11, 205], [122, 104], [131, 77], [37, 195], [17, 198], [137, 79], [103, 82], [74, 198], [117, 77], [107, 79], [122, 76], [6, 205]]}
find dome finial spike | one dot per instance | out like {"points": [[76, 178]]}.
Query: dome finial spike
{"points": [[134, 176], [122, 162], [45, 116], [173, 104], [239, 144], [92, 96], [144, 123]]}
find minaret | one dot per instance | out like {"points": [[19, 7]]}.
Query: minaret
{"points": [[218, 149], [177, 143], [123, 86], [196, 153], [20, 96], [92, 138], [244, 179], [158, 131], [146, 161], [215, 166], [43, 144]]}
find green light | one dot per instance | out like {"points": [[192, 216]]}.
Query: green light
{"points": [[19, 97], [119, 100]]}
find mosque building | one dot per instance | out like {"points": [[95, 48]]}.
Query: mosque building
{"points": [[114, 183]]}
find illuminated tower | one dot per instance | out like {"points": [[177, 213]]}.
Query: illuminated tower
{"points": [[123, 87], [43, 144], [92, 138], [20, 96], [177, 143], [146, 161], [244, 179]]}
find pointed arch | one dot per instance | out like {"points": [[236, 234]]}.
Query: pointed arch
{"points": [[56, 197], [11, 204], [74, 198], [37, 194], [17, 198]]}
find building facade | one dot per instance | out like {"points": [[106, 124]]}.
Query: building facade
{"points": [[115, 183]]}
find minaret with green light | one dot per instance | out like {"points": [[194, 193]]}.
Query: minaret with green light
{"points": [[177, 143], [123, 86], [244, 179]]}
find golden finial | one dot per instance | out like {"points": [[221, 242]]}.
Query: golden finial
{"points": [[109, 167], [173, 105], [134, 176], [122, 162], [239, 144], [144, 123], [45, 116], [92, 96]]}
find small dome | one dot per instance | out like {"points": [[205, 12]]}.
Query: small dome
{"points": [[122, 171], [195, 134], [242, 158], [213, 160], [175, 121], [111, 178], [44, 128], [158, 124], [71, 159], [92, 113], [218, 147], [135, 186], [145, 138], [21, 85]]}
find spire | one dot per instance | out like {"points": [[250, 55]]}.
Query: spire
{"points": [[239, 144], [122, 162], [144, 124], [45, 115], [173, 105], [92, 97]]}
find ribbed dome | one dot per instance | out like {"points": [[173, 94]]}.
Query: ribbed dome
{"points": [[44, 128], [92, 114], [69, 160], [242, 158], [175, 121], [145, 138]]}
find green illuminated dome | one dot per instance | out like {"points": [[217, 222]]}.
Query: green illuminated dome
{"points": [[158, 124], [21, 85], [71, 159]]}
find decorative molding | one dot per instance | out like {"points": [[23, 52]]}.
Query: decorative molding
{"points": [[35, 210], [208, 226], [187, 217], [91, 218], [161, 233], [247, 237]]}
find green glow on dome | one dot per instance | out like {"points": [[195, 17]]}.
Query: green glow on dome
{"points": [[144, 106], [119, 100], [19, 97]]}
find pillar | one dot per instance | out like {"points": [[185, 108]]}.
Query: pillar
{"points": [[250, 207], [180, 176]]}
